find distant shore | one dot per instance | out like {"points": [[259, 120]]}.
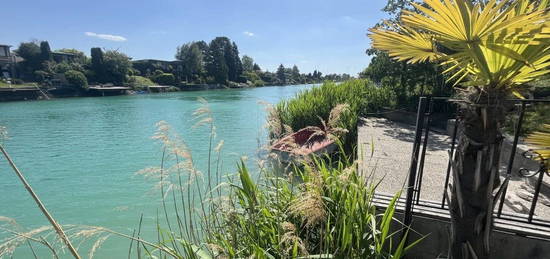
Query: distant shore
{"points": [[34, 93]]}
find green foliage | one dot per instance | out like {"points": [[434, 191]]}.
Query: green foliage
{"points": [[97, 64], [408, 81], [76, 79], [217, 63], [139, 82], [164, 79], [322, 209], [534, 119], [192, 55], [327, 213], [30, 52], [281, 74], [80, 57], [45, 51], [40, 76], [248, 63], [309, 107], [116, 66]]}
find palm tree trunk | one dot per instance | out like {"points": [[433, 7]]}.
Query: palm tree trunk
{"points": [[475, 175]]}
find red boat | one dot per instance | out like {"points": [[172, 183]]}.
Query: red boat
{"points": [[301, 143]]}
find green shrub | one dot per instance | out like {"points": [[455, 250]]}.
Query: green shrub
{"points": [[139, 82], [40, 76], [76, 79], [164, 79], [258, 82], [534, 119], [309, 107]]}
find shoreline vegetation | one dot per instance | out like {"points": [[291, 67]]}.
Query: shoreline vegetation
{"points": [[40, 72]]}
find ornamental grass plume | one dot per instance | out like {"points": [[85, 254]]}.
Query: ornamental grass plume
{"points": [[290, 240]]}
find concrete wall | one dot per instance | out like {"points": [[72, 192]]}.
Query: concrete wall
{"points": [[504, 243]]}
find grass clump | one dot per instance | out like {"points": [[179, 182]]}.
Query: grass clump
{"points": [[313, 106]]}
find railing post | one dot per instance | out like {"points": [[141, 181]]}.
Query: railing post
{"points": [[407, 219], [512, 155], [536, 195], [427, 119], [449, 165]]}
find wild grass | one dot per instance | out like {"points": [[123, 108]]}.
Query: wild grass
{"points": [[311, 107], [322, 209]]}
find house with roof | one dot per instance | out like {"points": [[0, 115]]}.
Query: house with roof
{"points": [[59, 57], [7, 62]]}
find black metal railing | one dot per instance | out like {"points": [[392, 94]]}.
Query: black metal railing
{"points": [[418, 159]]}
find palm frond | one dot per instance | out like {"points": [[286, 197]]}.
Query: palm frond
{"points": [[499, 44]]}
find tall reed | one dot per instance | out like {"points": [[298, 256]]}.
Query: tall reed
{"points": [[311, 107]]}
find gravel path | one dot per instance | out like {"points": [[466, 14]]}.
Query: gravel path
{"points": [[389, 160]]}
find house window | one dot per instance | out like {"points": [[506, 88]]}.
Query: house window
{"points": [[3, 51]]}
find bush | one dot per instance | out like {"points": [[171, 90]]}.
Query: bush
{"points": [[309, 107], [139, 82], [164, 79], [76, 79], [40, 76]]}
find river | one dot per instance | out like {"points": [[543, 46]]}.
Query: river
{"points": [[81, 154]]}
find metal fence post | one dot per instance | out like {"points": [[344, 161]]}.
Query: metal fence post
{"points": [[420, 173], [414, 162], [512, 156]]}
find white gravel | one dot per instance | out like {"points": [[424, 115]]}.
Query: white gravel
{"points": [[390, 159]]}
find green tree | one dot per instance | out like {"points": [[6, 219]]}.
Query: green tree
{"points": [[116, 66], [45, 51], [234, 65], [256, 67], [98, 65], [485, 51], [281, 75], [296, 76], [216, 63], [248, 63], [192, 57], [30, 52], [76, 79]]}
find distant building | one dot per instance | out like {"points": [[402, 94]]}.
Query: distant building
{"points": [[64, 57], [148, 66], [7, 62]]}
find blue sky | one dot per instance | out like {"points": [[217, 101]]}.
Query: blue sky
{"points": [[326, 35]]}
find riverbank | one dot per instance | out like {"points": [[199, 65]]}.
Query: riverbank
{"points": [[34, 93]]}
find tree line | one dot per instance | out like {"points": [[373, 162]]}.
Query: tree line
{"points": [[197, 62]]}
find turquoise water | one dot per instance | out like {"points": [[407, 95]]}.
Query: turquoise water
{"points": [[81, 154]]}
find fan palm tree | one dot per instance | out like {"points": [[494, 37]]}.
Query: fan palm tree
{"points": [[489, 49]]}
